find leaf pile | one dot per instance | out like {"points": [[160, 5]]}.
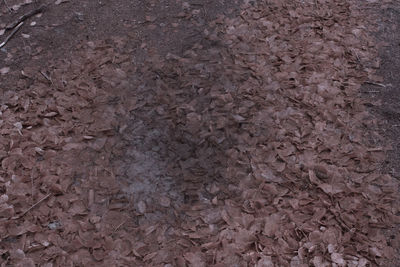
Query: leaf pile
{"points": [[51, 134], [248, 149], [278, 109]]}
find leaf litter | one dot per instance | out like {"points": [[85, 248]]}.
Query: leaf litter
{"points": [[246, 150]]}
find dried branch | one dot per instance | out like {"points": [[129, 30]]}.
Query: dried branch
{"points": [[34, 205], [25, 16], [11, 34]]}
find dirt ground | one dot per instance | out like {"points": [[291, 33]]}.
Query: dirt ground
{"points": [[164, 26], [385, 94], [135, 133]]}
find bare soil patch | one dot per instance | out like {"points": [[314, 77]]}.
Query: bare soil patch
{"points": [[384, 94]]}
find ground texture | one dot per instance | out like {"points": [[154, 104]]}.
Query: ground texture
{"points": [[208, 133]]}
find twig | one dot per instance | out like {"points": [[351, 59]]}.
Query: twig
{"points": [[377, 84], [5, 3], [371, 92], [375, 149], [32, 183], [116, 228], [46, 76], [11, 34], [24, 17], [34, 205], [91, 197]]}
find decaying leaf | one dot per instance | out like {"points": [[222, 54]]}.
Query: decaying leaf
{"points": [[4, 70]]}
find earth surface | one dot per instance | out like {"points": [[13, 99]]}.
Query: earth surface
{"points": [[119, 147]]}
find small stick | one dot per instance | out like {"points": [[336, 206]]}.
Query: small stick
{"points": [[375, 149], [116, 228], [24, 17], [11, 34], [46, 76], [91, 197], [34, 205], [32, 184], [377, 84], [372, 92], [5, 3]]}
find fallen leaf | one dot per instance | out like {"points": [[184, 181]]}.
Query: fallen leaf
{"points": [[4, 70]]}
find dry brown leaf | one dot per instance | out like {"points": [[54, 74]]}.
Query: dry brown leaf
{"points": [[195, 259]]}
